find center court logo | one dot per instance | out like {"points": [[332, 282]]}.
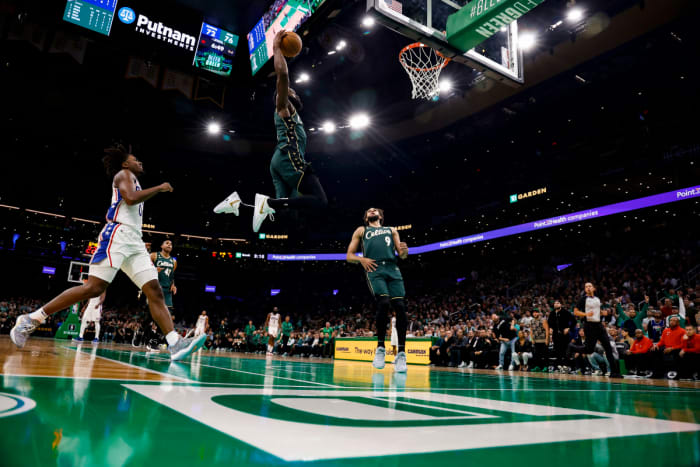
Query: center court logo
{"points": [[289, 423], [157, 30], [13, 405]]}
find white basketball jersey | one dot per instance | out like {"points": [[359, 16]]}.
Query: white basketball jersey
{"points": [[122, 213], [94, 305], [274, 320], [201, 321]]}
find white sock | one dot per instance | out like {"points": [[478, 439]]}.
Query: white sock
{"points": [[39, 315], [269, 348], [172, 337], [83, 325], [97, 330]]}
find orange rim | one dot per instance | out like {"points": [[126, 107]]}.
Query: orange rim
{"points": [[420, 44]]}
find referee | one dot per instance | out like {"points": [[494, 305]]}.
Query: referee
{"points": [[589, 308]]}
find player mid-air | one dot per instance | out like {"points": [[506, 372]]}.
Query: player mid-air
{"points": [[165, 265], [272, 324], [296, 185], [92, 313], [379, 244], [120, 247]]}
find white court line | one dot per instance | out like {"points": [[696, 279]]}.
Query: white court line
{"points": [[557, 390], [184, 380]]}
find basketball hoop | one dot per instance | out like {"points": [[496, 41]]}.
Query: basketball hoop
{"points": [[423, 65]]}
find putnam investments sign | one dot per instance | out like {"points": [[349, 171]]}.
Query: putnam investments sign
{"points": [[515, 198]]}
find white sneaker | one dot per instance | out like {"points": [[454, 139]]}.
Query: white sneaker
{"points": [[184, 347], [597, 373], [380, 358], [230, 205], [461, 365], [470, 366], [400, 363], [511, 367], [261, 211], [499, 367]]}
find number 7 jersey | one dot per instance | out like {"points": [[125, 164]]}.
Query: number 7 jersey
{"points": [[378, 244]]}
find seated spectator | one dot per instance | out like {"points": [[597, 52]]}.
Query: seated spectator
{"points": [[458, 350], [479, 350], [655, 326], [690, 354], [637, 358], [523, 351], [670, 344]]}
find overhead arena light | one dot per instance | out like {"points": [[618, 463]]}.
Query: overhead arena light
{"points": [[368, 21], [214, 128], [445, 85], [359, 121], [328, 127], [341, 45], [528, 40], [303, 78], [574, 15]]}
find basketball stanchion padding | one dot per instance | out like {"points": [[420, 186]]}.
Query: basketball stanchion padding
{"points": [[477, 21]]}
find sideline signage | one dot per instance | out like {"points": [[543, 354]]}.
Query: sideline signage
{"points": [[363, 348]]}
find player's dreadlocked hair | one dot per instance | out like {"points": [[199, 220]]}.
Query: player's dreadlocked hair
{"points": [[114, 158]]}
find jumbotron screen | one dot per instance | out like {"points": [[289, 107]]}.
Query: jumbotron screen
{"points": [[283, 14], [216, 49]]}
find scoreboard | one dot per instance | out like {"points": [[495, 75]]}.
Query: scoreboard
{"points": [[95, 15], [283, 14], [160, 28], [216, 49]]}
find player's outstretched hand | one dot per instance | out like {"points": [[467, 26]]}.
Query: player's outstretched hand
{"points": [[165, 187], [277, 42], [368, 264], [403, 249]]}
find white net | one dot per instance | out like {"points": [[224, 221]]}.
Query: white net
{"points": [[423, 65]]}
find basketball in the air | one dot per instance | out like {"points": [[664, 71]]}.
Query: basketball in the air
{"points": [[291, 44]]}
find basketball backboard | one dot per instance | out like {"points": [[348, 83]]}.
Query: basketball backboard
{"points": [[498, 57]]}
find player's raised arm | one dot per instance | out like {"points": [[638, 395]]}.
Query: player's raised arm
{"points": [[401, 247], [282, 75], [131, 196]]}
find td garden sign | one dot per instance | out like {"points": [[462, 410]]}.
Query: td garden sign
{"points": [[517, 197]]}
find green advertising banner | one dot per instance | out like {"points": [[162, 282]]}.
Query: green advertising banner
{"points": [[480, 19]]}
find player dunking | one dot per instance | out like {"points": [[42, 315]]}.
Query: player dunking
{"points": [[166, 265], [296, 185], [384, 279], [272, 324], [92, 313], [120, 247]]}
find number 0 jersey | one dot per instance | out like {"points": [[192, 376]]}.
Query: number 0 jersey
{"points": [[378, 244], [121, 213]]}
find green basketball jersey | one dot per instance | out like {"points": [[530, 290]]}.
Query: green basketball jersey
{"points": [[166, 267], [291, 136], [378, 244]]}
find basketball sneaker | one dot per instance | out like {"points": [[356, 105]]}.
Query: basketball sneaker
{"points": [[400, 363], [95, 341], [262, 210], [78, 339], [23, 328], [184, 347], [379, 358], [230, 205]]}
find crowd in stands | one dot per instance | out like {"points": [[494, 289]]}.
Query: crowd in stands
{"points": [[650, 309]]}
